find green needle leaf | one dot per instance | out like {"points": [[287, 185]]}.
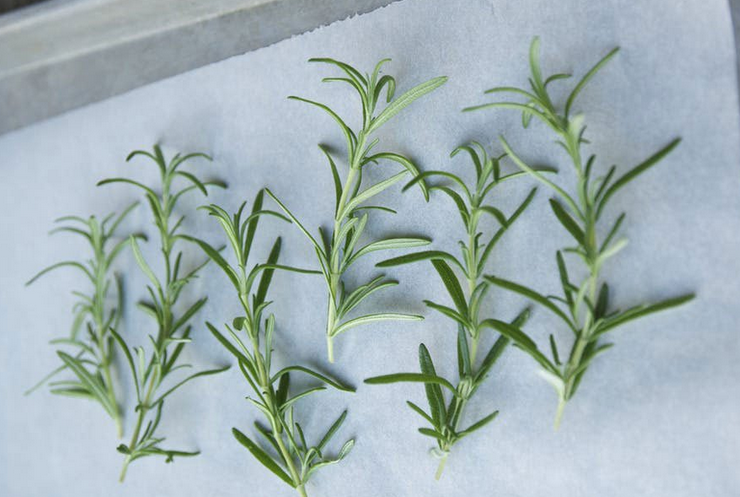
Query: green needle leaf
{"points": [[567, 221], [389, 244], [432, 433], [532, 295], [463, 353], [432, 389], [453, 286], [142, 263], [419, 256], [410, 378], [189, 378], [563, 195], [286, 404], [522, 341], [332, 431], [420, 411], [372, 318], [635, 172], [262, 457], [478, 425], [405, 100], [369, 193], [335, 176], [319, 376], [586, 78], [348, 134], [73, 264], [216, 257], [642, 311]]}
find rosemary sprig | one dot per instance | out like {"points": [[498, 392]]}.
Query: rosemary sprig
{"points": [[149, 375], [583, 310], [337, 250], [295, 461], [471, 202], [91, 363]]}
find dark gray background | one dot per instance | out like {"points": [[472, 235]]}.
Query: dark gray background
{"points": [[7, 5], [658, 415]]}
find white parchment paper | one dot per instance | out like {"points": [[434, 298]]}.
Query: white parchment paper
{"points": [[657, 415]]}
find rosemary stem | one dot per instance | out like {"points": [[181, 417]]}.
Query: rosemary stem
{"points": [[474, 349], [276, 420], [580, 346], [164, 329], [472, 277], [584, 337], [461, 402], [330, 348], [331, 319], [112, 396], [440, 467], [334, 263], [99, 321], [277, 427], [122, 477], [559, 412], [108, 379], [134, 440], [336, 255], [290, 464], [143, 410], [346, 192]]}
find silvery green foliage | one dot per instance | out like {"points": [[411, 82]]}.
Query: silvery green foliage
{"points": [[467, 288], [339, 248], [151, 370], [285, 451], [584, 307], [89, 353]]}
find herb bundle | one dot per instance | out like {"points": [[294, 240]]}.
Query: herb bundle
{"points": [[150, 374], [295, 460], [583, 308], [337, 249], [467, 299], [92, 362]]}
